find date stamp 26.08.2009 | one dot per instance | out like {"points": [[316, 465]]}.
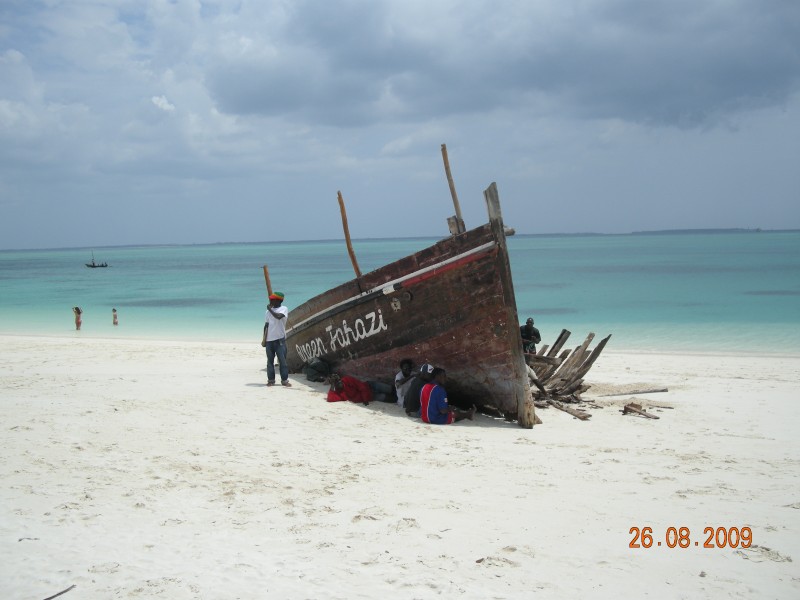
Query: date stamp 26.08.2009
{"points": [[681, 537]]}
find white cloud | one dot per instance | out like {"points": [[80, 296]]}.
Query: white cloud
{"points": [[162, 103]]}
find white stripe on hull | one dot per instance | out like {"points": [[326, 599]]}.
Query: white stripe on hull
{"points": [[388, 287]]}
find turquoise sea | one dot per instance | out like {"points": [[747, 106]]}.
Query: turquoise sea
{"points": [[685, 291]]}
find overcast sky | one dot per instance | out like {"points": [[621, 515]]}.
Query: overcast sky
{"points": [[188, 121]]}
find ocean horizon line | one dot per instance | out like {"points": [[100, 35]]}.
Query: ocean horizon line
{"points": [[648, 232]]}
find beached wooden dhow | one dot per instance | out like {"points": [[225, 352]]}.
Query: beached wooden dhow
{"points": [[451, 305]]}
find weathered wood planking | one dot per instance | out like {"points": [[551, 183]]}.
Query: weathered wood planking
{"points": [[563, 376], [451, 305]]}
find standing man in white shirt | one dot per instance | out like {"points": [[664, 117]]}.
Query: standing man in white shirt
{"points": [[275, 327]]}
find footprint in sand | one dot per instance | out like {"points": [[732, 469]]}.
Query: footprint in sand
{"points": [[406, 523], [497, 561], [762, 553], [358, 518], [110, 567], [502, 561]]}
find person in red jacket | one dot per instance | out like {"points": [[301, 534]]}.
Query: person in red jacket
{"points": [[349, 388]]}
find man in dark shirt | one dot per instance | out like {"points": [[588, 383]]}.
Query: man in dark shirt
{"points": [[530, 337], [412, 400]]}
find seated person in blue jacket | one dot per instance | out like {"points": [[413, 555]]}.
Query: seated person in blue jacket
{"points": [[435, 409]]}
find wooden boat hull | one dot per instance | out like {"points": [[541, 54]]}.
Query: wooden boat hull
{"points": [[451, 305]]}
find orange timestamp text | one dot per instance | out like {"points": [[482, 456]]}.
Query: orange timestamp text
{"points": [[681, 537]]}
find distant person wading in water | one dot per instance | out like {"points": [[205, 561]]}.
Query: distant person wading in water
{"points": [[78, 312], [114, 317]]}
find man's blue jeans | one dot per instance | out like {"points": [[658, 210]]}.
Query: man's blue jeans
{"points": [[277, 347]]}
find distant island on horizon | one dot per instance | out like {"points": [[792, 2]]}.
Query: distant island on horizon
{"points": [[723, 230], [699, 231]]}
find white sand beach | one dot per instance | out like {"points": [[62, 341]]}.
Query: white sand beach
{"points": [[142, 469]]}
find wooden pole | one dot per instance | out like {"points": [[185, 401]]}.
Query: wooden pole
{"points": [[461, 227], [347, 236], [269, 293], [266, 279]]}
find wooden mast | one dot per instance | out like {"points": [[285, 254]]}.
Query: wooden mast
{"points": [[347, 236], [459, 222]]}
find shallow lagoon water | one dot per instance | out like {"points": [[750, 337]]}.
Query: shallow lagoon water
{"points": [[703, 292]]}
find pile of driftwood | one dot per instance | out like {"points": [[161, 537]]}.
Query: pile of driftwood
{"points": [[558, 374]]}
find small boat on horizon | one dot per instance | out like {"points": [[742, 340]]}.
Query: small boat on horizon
{"points": [[95, 265]]}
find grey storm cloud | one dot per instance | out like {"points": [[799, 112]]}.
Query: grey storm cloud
{"points": [[678, 63], [193, 116]]}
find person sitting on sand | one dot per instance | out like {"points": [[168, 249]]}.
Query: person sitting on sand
{"points": [[78, 312], [411, 398], [403, 380], [435, 409]]}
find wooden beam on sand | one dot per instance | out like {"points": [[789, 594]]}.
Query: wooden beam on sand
{"points": [[637, 409], [578, 414], [636, 392]]}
